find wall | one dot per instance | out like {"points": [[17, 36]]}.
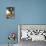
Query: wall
{"points": [[27, 12], [6, 25], [31, 11]]}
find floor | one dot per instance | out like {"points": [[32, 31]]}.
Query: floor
{"points": [[7, 45], [30, 43]]}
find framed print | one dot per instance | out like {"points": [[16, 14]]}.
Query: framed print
{"points": [[32, 32], [10, 12]]}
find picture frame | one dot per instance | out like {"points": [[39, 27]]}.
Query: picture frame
{"points": [[10, 12]]}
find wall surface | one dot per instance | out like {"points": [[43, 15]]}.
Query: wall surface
{"points": [[27, 12], [31, 11], [6, 25]]}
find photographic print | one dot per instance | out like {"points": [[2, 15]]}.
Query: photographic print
{"points": [[10, 12], [29, 34]]}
